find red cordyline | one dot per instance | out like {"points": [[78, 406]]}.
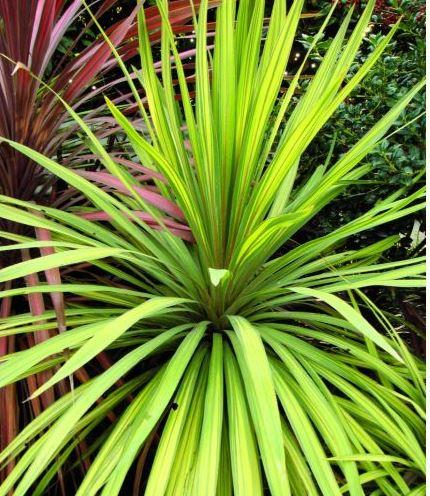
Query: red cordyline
{"points": [[30, 34], [32, 115]]}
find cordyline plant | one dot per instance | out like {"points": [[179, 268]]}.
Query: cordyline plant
{"points": [[31, 115], [241, 362]]}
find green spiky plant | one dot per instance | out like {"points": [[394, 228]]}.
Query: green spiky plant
{"points": [[242, 362]]}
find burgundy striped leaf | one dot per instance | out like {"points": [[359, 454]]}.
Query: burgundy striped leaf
{"points": [[180, 230], [152, 198]]}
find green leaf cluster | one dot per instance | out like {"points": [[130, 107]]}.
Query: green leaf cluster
{"points": [[279, 382]]}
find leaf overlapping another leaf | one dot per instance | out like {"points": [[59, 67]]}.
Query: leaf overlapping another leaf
{"points": [[249, 365]]}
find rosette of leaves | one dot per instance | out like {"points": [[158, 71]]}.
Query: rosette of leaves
{"points": [[236, 368]]}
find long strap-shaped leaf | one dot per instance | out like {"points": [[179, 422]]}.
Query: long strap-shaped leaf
{"points": [[259, 387], [243, 449], [167, 449], [206, 472], [350, 314]]}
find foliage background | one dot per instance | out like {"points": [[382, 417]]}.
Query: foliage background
{"points": [[398, 159]]}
